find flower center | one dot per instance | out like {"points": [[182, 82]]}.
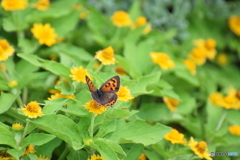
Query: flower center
{"points": [[201, 146], [32, 108], [107, 54]]}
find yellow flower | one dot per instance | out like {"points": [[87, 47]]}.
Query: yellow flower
{"points": [[171, 103], [78, 74], [120, 70], [121, 19], [222, 59], [199, 148], [191, 66], [5, 50], [198, 55], [42, 5], [94, 108], [42, 157], [235, 130], [32, 110], [12, 83], [17, 126], [231, 100], [106, 56], [58, 95], [11, 5], [142, 157], [84, 14], [29, 149], [162, 59], [217, 99], [96, 157], [175, 137], [124, 94], [234, 24], [141, 21], [45, 34], [147, 29]]}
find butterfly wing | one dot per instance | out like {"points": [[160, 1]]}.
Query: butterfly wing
{"points": [[111, 85], [90, 84]]}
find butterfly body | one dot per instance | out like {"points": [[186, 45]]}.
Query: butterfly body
{"points": [[106, 95]]}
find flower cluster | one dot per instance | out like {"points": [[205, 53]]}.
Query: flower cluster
{"points": [[162, 59], [122, 19], [234, 24], [230, 101], [203, 50], [199, 148]]}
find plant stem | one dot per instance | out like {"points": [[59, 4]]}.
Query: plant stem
{"points": [[92, 126], [24, 133], [64, 154], [220, 122], [4, 72]]}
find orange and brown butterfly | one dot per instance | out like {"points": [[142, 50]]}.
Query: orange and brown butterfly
{"points": [[106, 95]]}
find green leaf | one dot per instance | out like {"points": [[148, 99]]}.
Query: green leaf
{"points": [[77, 155], [48, 148], [70, 19], [37, 139], [139, 86], [8, 139], [62, 127], [115, 146], [6, 101], [3, 85], [133, 151], [104, 149], [52, 106], [139, 132], [73, 52], [108, 126], [52, 66]]}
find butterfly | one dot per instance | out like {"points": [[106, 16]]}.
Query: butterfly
{"points": [[106, 95]]}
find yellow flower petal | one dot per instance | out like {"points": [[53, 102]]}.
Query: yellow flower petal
{"points": [[171, 103], [17, 126], [106, 56], [191, 66], [96, 157], [94, 108], [78, 74], [42, 5], [29, 149], [58, 95], [198, 55], [175, 137], [45, 34], [11, 5], [124, 94], [121, 19], [235, 130], [199, 148], [5, 50], [162, 59], [234, 24], [32, 110]]}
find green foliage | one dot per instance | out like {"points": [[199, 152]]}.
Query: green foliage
{"points": [[131, 127]]}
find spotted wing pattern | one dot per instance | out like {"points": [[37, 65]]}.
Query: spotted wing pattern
{"points": [[111, 85], [90, 84]]}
